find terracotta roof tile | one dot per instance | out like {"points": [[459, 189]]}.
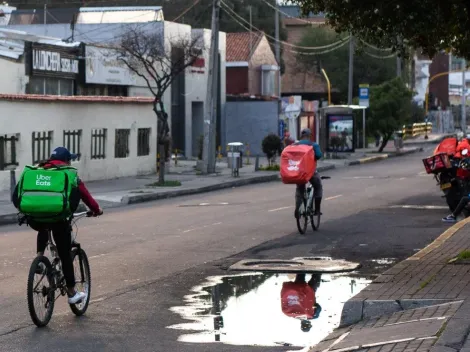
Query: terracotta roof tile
{"points": [[77, 98], [238, 45]]}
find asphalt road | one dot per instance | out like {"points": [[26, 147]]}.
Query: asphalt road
{"points": [[146, 258]]}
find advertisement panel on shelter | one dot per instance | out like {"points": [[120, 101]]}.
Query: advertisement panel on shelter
{"points": [[340, 133]]}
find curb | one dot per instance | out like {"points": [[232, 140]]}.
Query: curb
{"points": [[375, 158], [141, 198], [9, 219], [356, 310]]}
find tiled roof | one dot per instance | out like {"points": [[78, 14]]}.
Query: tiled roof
{"points": [[238, 45], [77, 98]]}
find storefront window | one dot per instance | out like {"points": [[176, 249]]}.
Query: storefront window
{"points": [[35, 86], [66, 87], [52, 86]]}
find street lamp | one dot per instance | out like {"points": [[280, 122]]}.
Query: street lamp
{"points": [[329, 85]]}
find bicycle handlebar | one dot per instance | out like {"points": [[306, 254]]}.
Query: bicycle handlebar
{"points": [[87, 214]]}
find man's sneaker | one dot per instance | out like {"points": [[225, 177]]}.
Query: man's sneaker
{"points": [[41, 269], [79, 296], [449, 218]]}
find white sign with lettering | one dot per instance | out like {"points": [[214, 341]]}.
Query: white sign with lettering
{"points": [[51, 61], [104, 67]]}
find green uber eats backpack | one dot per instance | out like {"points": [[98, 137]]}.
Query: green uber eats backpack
{"points": [[48, 195]]}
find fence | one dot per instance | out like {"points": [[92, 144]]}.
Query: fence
{"points": [[417, 129], [442, 121], [124, 125], [8, 151]]}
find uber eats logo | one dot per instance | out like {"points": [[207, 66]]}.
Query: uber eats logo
{"points": [[42, 180]]}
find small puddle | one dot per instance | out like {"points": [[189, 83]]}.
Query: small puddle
{"points": [[246, 309]]}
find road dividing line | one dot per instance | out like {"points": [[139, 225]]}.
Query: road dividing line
{"points": [[334, 197], [433, 207], [401, 179], [202, 227], [277, 209]]}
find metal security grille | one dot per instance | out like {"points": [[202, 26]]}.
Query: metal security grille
{"points": [[143, 141], [121, 146], [98, 143], [41, 146], [8, 151], [72, 141]]}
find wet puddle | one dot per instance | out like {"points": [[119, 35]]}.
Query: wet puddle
{"points": [[247, 309]]}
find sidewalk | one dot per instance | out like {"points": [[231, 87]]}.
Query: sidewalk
{"points": [[421, 304], [131, 190]]}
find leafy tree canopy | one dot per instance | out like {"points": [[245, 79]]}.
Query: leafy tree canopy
{"points": [[432, 25], [390, 108], [367, 69]]}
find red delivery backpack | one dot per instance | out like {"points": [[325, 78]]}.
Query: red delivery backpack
{"points": [[298, 164]]}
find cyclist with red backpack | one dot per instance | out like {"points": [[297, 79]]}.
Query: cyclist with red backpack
{"points": [[40, 195], [315, 180]]}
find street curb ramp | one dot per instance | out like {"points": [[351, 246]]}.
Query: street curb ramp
{"points": [[356, 310]]}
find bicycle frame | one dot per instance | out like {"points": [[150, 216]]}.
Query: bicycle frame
{"points": [[59, 280]]}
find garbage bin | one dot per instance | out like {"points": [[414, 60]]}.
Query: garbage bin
{"points": [[234, 157], [398, 140]]}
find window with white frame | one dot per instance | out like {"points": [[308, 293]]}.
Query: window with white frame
{"points": [[268, 80]]}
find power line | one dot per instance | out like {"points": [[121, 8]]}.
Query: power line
{"points": [[185, 11], [225, 7], [294, 51], [380, 57], [287, 15], [374, 47]]}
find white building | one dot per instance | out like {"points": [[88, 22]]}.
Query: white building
{"points": [[184, 101], [422, 76]]}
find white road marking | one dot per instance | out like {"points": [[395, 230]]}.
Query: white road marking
{"points": [[357, 177], [429, 207], [202, 227], [401, 179], [277, 209], [97, 256], [334, 197]]}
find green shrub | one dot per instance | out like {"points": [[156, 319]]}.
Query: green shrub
{"points": [[271, 146]]}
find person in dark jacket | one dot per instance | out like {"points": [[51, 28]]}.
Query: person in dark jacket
{"points": [[62, 230]]}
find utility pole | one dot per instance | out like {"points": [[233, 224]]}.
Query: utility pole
{"points": [[45, 18], [210, 118], [399, 62], [351, 69], [251, 30], [278, 56], [464, 92]]}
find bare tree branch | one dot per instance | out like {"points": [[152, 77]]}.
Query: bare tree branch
{"points": [[147, 56]]}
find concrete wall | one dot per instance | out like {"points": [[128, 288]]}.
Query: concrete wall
{"points": [[46, 113], [13, 79], [249, 122]]}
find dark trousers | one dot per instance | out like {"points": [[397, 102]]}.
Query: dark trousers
{"points": [[462, 204], [62, 234]]}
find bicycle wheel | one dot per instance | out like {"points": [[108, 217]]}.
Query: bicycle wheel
{"points": [[302, 220], [41, 298], [81, 267], [315, 221]]}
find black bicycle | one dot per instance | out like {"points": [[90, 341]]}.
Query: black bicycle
{"points": [[46, 282], [306, 211]]}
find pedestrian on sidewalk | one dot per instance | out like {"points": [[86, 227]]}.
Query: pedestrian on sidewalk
{"points": [[298, 300]]}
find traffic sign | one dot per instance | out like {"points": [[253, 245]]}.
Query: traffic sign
{"points": [[364, 95]]}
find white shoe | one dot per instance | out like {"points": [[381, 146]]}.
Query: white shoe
{"points": [[79, 296]]}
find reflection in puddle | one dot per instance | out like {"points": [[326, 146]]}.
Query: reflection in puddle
{"points": [[384, 261], [246, 309]]}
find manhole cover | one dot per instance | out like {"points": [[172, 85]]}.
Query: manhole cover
{"points": [[296, 265]]}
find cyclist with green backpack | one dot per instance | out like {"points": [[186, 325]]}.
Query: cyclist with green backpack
{"points": [[48, 194]]}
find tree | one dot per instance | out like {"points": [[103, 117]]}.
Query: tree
{"points": [[390, 108], [367, 69], [158, 62], [271, 146], [432, 25]]}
